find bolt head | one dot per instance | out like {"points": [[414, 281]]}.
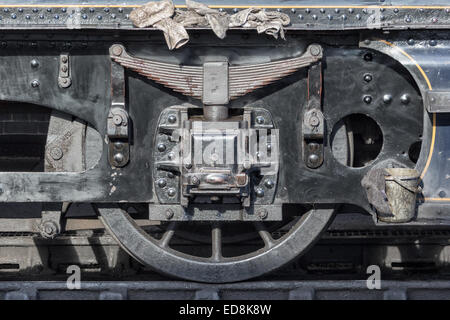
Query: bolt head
{"points": [[262, 214], [314, 50], [161, 147], [195, 180], [405, 99], [259, 192], [56, 153], [269, 184], [34, 63], [171, 192], [161, 183], [367, 99], [169, 214], [313, 159], [117, 50], [117, 119], [172, 118], [368, 78], [35, 83], [387, 98], [260, 120], [118, 157]]}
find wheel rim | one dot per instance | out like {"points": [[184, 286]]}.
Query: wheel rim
{"points": [[158, 254]]}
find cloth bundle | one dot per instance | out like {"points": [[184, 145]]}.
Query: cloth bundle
{"points": [[163, 16]]}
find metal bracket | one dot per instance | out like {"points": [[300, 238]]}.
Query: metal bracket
{"points": [[313, 125], [64, 78], [50, 225], [118, 122], [437, 101]]}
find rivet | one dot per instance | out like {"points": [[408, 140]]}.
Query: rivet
{"points": [[259, 119], [171, 155], [364, 11], [330, 17], [314, 17], [34, 63], [172, 118], [408, 19], [35, 10], [35, 83], [433, 43], [396, 10], [28, 17], [269, 183], [5, 10], [259, 192], [235, 10], [84, 16], [344, 17], [434, 20], [351, 10], [411, 42], [91, 10], [300, 17], [269, 147], [382, 9], [442, 194], [161, 182], [56, 17], [308, 10], [278, 10], [367, 99], [382, 18], [293, 10], [41, 16], [405, 98], [13, 16], [171, 192], [120, 10], [367, 41], [368, 77], [322, 10], [337, 10], [99, 17], [118, 157], [64, 10], [49, 9], [106, 9], [20, 10], [113, 16], [358, 17], [387, 98], [161, 147]]}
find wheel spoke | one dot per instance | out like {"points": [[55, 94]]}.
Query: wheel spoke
{"points": [[264, 234], [167, 236], [216, 242]]}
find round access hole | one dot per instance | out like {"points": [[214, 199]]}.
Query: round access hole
{"points": [[356, 140]]}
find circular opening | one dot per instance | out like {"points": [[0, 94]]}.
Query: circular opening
{"points": [[356, 140]]}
